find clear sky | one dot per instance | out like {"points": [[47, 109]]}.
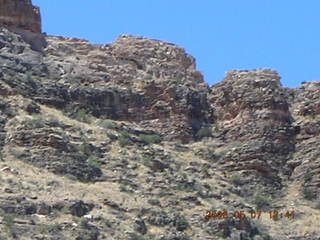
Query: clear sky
{"points": [[221, 34]]}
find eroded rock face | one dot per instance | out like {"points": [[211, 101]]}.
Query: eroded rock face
{"points": [[305, 108], [150, 82], [44, 143], [250, 104], [252, 111], [20, 14]]}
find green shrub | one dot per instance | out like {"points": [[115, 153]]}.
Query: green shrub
{"points": [[93, 162], [37, 121], [16, 152], [309, 193], [85, 148], [108, 124], [308, 176], [81, 115], [146, 160], [205, 131], [150, 139], [71, 177], [8, 222], [261, 201], [181, 223], [236, 180], [45, 228], [124, 139]]}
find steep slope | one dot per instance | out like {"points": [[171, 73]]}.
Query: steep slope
{"points": [[126, 141]]}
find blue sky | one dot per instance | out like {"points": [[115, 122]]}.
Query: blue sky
{"points": [[221, 34]]}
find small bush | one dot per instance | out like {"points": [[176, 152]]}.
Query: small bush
{"points": [[85, 148], [146, 160], [71, 177], [82, 115], [16, 152], [181, 223], [308, 176], [205, 131], [150, 139], [8, 222], [261, 201], [79, 114], [124, 139], [93, 162], [108, 124], [236, 180], [45, 228], [309, 193]]}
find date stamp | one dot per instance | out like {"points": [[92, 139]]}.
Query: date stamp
{"points": [[241, 215]]}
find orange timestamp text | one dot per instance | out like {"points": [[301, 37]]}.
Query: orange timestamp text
{"points": [[241, 215]]}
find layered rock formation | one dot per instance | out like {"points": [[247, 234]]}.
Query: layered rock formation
{"points": [[126, 141], [20, 14]]}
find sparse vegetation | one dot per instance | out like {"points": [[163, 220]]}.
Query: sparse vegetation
{"points": [[124, 139], [308, 176], [150, 139], [308, 193], [37, 121], [93, 162], [146, 160], [85, 148], [71, 177], [79, 114], [205, 131], [8, 222], [236, 180], [45, 228], [108, 124], [82, 138], [16, 152], [261, 200], [83, 116], [181, 223]]}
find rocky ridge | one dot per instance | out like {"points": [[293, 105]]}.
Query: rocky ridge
{"points": [[126, 141]]}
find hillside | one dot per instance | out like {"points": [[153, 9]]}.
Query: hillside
{"points": [[126, 141]]}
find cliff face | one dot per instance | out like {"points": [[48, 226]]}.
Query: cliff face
{"points": [[126, 141], [20, 14]]}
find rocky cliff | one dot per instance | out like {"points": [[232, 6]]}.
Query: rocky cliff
{"points": [[20, 14], [126, 141]]}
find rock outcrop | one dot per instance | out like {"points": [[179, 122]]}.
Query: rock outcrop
{"points": [[156, 85], [126, 141], [20, 14], [252, 111]]}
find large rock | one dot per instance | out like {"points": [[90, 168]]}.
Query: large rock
{"points": [[20, 14], [251, 110]]}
